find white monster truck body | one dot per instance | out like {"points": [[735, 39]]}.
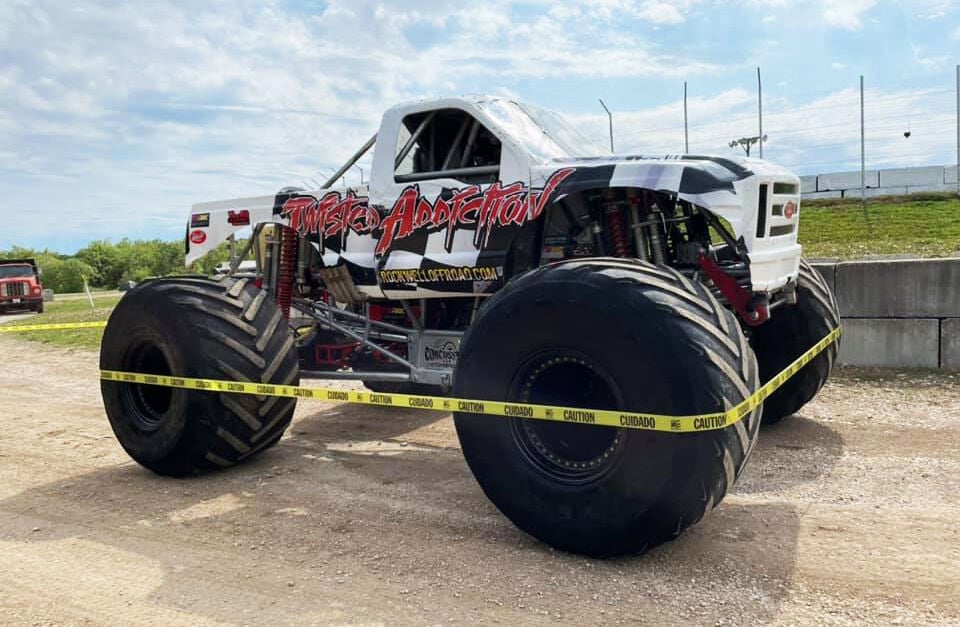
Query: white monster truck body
{"points": [[445, 228]]}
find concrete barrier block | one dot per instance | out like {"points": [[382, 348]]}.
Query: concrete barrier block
{"points": [[873, 192], [950, 175], [940, 187], [846, 180], [823, 195], [829, 273], [890, 343], [925, 288], [808, 184], [908, 177], [950, 344]]}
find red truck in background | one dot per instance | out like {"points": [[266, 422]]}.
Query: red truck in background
{"points": [[20, 286]]}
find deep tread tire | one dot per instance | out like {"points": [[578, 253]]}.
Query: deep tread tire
{"points": [[197, 327], [664, 345], [789, 333]]}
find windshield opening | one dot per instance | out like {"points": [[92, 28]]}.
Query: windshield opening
{"points": [[545, 134], [10, 272]]}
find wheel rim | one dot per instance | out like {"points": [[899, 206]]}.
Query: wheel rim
{"points": [[148, 404], [568, 453]]}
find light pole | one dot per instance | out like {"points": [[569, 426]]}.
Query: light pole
{"points": [[747, 142], [610, 118], [361, 173], [760, 134]]}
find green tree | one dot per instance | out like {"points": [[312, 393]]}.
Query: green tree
{"points": [[64, 275], [106, 262]]}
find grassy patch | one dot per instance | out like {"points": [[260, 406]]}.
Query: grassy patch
{"points": [[924, 226], [74, 310]]}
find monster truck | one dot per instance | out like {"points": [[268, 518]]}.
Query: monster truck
{"points": [[20, 286], [497, 254]]}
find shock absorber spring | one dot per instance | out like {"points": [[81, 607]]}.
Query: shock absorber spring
{"points": [[616, 225], [287, 269]]}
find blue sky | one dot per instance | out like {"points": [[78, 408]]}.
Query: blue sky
{"points": [[115, 118]]}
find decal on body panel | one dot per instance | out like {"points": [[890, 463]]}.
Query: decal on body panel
{"points": [[334, 215]]}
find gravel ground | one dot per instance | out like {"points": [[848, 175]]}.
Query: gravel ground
{"points": [[845, 515]]}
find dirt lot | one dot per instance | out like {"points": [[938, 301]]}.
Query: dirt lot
{"points": [[846, 514]]}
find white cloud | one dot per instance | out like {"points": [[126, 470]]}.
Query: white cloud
{"points": [[654, 11], [846, 13], [930, 62], [956, 33], [838, 66], [661, 12], [929, 9]]}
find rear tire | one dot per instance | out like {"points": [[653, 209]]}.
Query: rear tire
{"points": [[612, 334], [196, 327], [789, 333]]}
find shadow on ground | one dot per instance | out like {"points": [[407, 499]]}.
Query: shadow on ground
{"points": [[792, 452]]}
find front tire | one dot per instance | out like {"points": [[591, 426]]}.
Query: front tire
{"points": [[789, 333], [611, 334], [198, 328]]}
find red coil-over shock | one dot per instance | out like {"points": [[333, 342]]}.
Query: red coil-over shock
{"points": [[617, 227], [287, 269]]}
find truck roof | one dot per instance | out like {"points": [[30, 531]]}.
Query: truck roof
{"points": [[466, 101]]}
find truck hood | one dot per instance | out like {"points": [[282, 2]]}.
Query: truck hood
{"points": [[722, 167], [713, 182]]}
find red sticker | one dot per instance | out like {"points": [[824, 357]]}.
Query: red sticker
{"points": [[789, 210], [238, 218], [198, 237]]}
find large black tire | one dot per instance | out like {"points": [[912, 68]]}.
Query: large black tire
{"points": [[612, 334], [789, 333], [196, 327]]}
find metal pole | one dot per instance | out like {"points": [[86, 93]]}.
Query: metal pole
{"points": [[863, 157], [958, 130], [610, 117], [686, 134], [760, 110]]}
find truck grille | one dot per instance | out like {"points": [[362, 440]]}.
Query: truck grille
{"points": [[18, 288], [762, 212]]}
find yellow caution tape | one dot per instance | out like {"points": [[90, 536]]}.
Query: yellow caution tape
{"points": [[609, 418], [65, 326]]}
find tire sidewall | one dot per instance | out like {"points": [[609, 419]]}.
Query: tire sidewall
{"points": [[137, 319], [650, 353]]}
